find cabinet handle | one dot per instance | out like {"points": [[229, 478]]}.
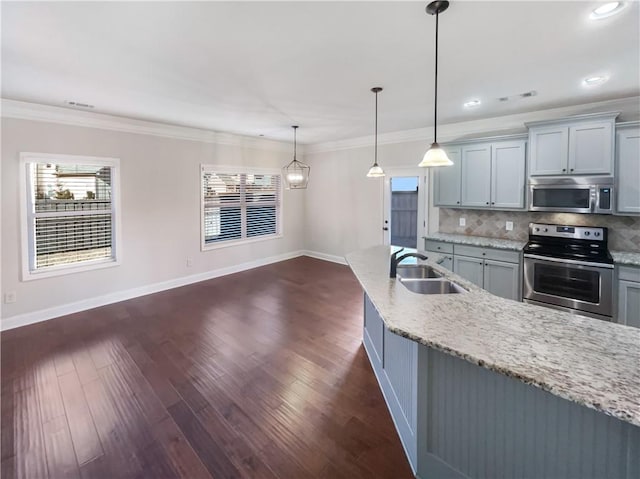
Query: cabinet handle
{"points": [[484, 254], [487, 202], [564, 169], [571, 169], [493, 202], [457, 202]]}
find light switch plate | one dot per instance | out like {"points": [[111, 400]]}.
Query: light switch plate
{"points": [[10, 297], [509, 225], [463, 221]]}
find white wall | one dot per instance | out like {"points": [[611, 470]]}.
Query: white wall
{"points": [[160, 200]]}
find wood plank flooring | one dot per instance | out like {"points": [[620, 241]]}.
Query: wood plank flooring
{"points": [[259, 374]]}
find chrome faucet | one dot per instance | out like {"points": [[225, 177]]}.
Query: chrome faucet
{"points": [[395, 260]]}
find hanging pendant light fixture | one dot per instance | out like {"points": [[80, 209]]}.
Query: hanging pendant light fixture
{"points": [[375, 171], [436, 156], [296, 173]]}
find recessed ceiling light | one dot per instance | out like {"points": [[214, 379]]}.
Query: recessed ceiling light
{"points": [[595, 80], [606, 10], [472, 103]]}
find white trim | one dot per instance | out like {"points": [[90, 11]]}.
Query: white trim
{"points": [[70, 308], [66, 116], [456, 131], [325, 257], [27, 245]]}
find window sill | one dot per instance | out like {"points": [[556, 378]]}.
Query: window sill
{"points": [[227, 244], [54, 271]]}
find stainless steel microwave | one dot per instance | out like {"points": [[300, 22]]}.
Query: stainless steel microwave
{"points": [[572, 194]]}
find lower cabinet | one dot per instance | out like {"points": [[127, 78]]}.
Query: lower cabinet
{"points": [[497, 271], [458, 420], [629, 296]]}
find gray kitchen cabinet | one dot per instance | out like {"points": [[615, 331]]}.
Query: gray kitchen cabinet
{"points": [[442, 248], [628, 170], [502, 279], [549, 151], [447, 181], [476, 176], [508, 172], [629, 296], [469, 268], [486, 174], [579, 145]]}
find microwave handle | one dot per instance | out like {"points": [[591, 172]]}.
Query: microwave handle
{"points": [[595, 192]]}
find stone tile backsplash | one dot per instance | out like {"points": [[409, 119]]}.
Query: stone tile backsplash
{"points": [[624, 231]]}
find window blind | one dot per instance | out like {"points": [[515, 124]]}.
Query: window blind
{"points": [[70, 214], [240, 206]]}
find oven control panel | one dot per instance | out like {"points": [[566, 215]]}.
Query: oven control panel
{"points": [[591, 233]]}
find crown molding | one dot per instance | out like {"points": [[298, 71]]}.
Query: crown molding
{"points": [[66, 116], [453, 132]]}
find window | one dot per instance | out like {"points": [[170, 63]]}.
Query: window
{"points": [[70, 211], [239, 206]]}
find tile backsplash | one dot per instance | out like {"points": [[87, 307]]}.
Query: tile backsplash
{"points": [[624, 231]]}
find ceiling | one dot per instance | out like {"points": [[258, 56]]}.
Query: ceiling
{"points": [[255, 68]]}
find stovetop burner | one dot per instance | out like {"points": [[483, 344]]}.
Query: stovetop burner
{"points": [[581, 243]]}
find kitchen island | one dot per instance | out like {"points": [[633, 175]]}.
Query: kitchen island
{"points": [[480, 386]]}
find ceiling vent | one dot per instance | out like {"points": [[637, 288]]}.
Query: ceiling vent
{"points": [[77, 104]]}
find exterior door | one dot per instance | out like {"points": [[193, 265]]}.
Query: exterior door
{"points": [[404, 207]]}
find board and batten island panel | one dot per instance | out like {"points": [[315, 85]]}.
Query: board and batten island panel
{"points": [[466, 415]]}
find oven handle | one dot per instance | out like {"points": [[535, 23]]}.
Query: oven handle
{"points": [[569, 261]]}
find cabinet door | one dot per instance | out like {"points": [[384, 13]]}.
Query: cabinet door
{"points": [[502, 279], [469, 268], [447, 181], [591, 148], [447, 263], [549, 151], [628, 171], [476, 176], [629, 303], [508, 174]]}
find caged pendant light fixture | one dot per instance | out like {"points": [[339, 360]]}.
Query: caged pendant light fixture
{"points": [[296, 173], [375, 171], [436, 156]]}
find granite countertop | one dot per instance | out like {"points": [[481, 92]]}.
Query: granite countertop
{"points": [[588, 361], [477, 241], [625, 258]]}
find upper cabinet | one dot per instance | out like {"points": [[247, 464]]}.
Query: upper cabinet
{"points": [[484, 175], [580, 145], [628, 169], [447, 180]]}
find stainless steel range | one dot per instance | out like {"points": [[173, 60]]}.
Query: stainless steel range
{"points": [[569, 268]]}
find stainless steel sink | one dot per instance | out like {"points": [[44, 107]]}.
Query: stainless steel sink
{"points": [[417, 271], [432, 286]]}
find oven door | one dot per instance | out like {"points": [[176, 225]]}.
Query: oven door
{"points": [[562, 198], [571, 284]]}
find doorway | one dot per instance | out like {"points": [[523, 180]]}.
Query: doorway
{"points": [[404, 208]]}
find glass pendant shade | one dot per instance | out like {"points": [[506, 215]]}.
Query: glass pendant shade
{"points": [[435, 156], [375, 171], [296, 173]]}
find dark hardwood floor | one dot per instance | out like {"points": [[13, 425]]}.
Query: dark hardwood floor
{"points": [[257, 374]]}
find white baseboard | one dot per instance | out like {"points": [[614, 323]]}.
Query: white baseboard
{"points": [[324, 256], [75, 307]]}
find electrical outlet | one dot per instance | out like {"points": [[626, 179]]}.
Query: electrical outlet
{"points": [[10, 297], [189, 262], [463, 222], [509, 225]]}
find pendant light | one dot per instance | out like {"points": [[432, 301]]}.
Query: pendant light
{"points": [[436, 156], [296, 173], [375, 171]]}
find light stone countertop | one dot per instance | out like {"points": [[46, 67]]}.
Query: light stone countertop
{"points": [[587, 361], [625, 258], [477, 241]]}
